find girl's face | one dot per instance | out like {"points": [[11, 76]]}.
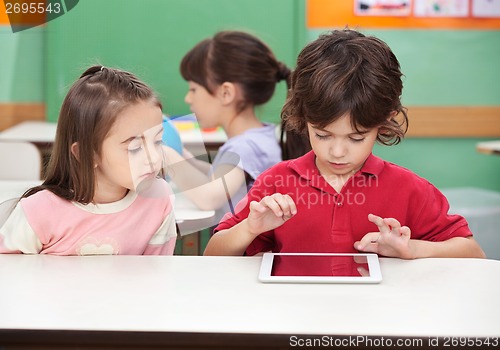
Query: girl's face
{"points": [[205, 106], [131, 152], [340, 150]]}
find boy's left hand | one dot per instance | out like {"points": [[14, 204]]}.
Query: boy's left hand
{"points": [[392, 239]]}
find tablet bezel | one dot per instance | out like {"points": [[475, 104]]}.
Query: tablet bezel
{"points": [[372, 259]]}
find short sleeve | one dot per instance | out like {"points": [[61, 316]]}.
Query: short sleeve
{"points": [[432, 221], [17, 236]]}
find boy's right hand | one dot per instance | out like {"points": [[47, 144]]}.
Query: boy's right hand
{"points": [[271, 212]]}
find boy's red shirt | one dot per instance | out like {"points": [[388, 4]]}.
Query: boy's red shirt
{"points": [[327, 221]]}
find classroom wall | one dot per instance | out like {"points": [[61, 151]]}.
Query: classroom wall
{"points": [[442, 67], [151, 37], [21, 70], [447, 68]]}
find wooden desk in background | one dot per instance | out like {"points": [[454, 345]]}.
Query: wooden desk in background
{"points": [[489, 147], [192, 302]]}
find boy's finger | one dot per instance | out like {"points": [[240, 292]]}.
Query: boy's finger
{"points": [[368, 242], [291, 204], [271, 203], [377, 220], [393, 224], [282, 202], [254, 205], [405, 231], [286, 203]]}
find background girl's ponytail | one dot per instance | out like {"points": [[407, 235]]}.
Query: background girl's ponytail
{"points": [[293, 144]]}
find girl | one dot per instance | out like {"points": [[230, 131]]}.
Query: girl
{"points": [[101, 194], [345, 93], [228, 75]]}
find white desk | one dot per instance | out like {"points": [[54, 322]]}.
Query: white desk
{"points": [[212, 140], [39, 132], [219, 300], [190, 221], [189, 218], [489, 147]]}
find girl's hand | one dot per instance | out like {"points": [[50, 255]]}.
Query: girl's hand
{"points": [[392, 239], [271, 212]]}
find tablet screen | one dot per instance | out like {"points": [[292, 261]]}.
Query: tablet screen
{"points": [[320, 265], [320, 268]]}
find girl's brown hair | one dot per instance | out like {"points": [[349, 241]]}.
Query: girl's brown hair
{"points": [[347, 73], [87, 114], [236, 57]]}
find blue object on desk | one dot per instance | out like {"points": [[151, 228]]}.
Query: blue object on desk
{"points": [[171, 136], [184, 118]]}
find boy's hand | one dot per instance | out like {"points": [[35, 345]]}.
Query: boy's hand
{"points": [[392, 240], [271, 212]]}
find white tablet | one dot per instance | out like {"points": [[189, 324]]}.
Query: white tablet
{"points": [[320, 268]]}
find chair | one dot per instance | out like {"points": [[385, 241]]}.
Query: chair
{"points": [[19, 161], [481, 209], [6, 208]]}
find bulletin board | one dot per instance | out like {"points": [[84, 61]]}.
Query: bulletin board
{"points": [[4, 20], [414, 14]]}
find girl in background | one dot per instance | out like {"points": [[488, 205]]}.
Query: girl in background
{"points": [[101, 194], [228, 76]]}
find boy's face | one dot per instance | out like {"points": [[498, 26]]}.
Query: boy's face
{"points": [[341, 150]]}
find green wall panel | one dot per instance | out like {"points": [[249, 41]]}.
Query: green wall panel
{"points": [[150, 38], [447, 163], [22, 65], [443, 67]]}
